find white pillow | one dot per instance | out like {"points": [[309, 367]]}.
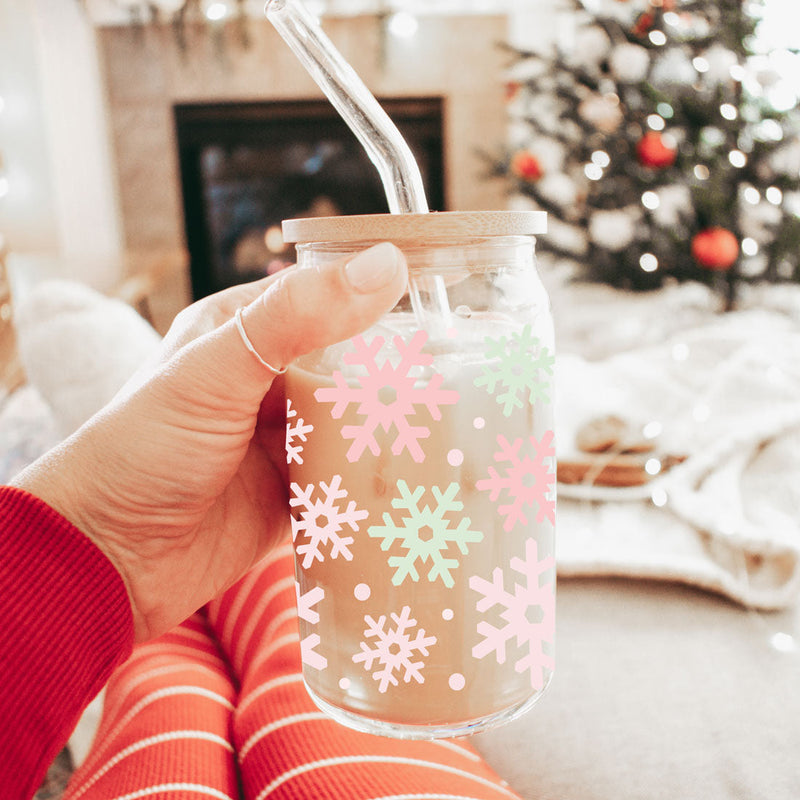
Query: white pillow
{"points": [[78, 347]]}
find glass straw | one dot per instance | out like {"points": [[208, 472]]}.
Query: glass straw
{"points": [[385, 146]]}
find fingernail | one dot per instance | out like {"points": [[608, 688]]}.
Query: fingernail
{"points": [[375, 268]]}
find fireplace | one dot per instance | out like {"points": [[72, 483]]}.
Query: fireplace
{"points": [[154, 85], [244, 167]]}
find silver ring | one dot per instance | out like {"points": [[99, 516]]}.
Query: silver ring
{"points": [[249, 345]]}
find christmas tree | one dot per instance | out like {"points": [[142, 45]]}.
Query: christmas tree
{"points": [[662, 143]]}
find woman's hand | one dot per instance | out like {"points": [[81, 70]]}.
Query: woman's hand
{"points": [[181, 479]]}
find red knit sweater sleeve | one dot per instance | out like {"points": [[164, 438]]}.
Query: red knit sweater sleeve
{"points": [[65, 623]]}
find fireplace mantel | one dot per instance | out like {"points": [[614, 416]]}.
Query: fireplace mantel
{"points": [[147, 72]]}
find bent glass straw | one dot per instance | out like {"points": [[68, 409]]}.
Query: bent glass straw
{"points": [[385, 146]]}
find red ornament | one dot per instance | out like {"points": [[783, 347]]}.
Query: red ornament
{"points": [[526, 166], [654, 151], [512, 89], [715, 248], [643, 24]]}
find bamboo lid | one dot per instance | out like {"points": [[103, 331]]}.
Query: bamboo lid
{"points": [[403, 227]]}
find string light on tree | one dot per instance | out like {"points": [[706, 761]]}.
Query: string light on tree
{"points": [[650, 200], [648, 262], [752, 195], [403, 25], [665, 110], [774, 195], [737, 158], [217, 10], [594, 172], [749, 246], [601, 158]]}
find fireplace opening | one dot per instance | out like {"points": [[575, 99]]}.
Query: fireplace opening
{"points": [[245, 167]]}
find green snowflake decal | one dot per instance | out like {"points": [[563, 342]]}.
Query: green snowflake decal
{"points": [[425, 533], [519, 365]]}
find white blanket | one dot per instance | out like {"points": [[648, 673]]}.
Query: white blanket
{"points": [[725, 389], [725, 393], [78, 347]]}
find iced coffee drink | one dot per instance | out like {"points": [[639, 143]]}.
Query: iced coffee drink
{"points": [[422, 492]]}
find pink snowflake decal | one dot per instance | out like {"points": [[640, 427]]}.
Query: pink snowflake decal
{"points": [[394, 649], [388, 395], [529, 614], [305, 611], [529, 478], [322, 520], [295, 429]]}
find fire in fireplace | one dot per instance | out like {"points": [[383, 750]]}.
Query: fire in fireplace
{"points": [[247, 166]]}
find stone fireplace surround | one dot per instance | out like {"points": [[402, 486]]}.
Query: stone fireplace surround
{"points": [[147, 72]]}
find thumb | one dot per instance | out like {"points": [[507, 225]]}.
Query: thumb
{"points": [[309, 308]]}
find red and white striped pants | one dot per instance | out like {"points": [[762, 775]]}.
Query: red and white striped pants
{"points": [[217, 709]]}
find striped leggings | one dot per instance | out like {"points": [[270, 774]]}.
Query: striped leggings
{"points": [[217, 710]]}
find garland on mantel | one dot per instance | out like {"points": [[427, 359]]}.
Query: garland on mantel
{"points": [[219, 16], [216, 15]]}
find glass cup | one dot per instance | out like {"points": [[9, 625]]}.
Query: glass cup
{"points": [[422, 482]]}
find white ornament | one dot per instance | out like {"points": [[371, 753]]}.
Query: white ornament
{"points": [[767, 77], [602, 112], [687, 26], [719, 60], [791, 202], [673, 68], [558, 188], [759, 222], [544, 108], [629, 63], [551, 154], [754, 266], [569, 238], [519, 133], [527, 69], [786, 160], [622, 12], [590, 47], [613, 230], [673, 201], [782, 97]]}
